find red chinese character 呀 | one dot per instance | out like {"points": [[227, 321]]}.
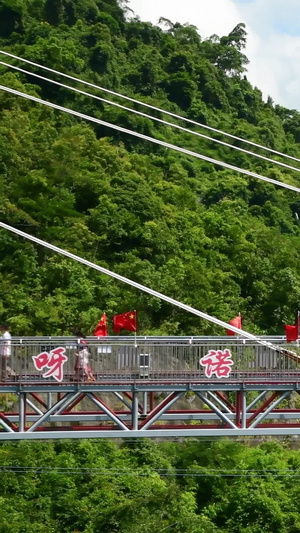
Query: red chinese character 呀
{"points": [[53, 360], [217, 362]]}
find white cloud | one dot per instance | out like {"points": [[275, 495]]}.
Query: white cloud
{"points": [[210, 16], [274, 68], [273, 28], [273, 48]]}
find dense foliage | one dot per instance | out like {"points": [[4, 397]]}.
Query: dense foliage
{"points": [[194, 487], [209, 237]]}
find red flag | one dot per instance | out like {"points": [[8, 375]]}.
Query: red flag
{"points": [[237, 323], [125, 321], [101, 328], [292, 332]]}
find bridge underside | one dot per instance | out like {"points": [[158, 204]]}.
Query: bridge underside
{"points": [[141, 409]]}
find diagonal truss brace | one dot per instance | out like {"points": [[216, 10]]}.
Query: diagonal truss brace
{"points": [[122, 399], [260, 397], [107, 410], [6, 424], [61, 404], [221, 415], [161, 409], [265, 413], [219, 401], [34, 407]]}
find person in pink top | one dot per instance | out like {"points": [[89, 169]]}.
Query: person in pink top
{"points": [[82, 367]]}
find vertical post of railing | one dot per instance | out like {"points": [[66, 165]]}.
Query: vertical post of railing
{"points": [[24, 363], [22, 412]]}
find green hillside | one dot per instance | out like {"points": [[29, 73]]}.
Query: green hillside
{"points": [[212, 238], [145, 487]]}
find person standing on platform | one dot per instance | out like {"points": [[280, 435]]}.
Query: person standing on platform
{"points": [[5, 350], [82, 365]]}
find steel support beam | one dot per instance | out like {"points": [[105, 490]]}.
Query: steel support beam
{"points": [[135, 411], [130, 396], [60, 404], [151, 433], [22, 412], [238, 409], [153, 387], [244, 409], [224, 398], [10, 427], [270, 408], [39, 400], [152, 401], [141, 416], [221, 415], [120, 397], [217, 400], [79, 416], [32, 406], [107, 410], [160, 409], [75, 402], [67, 400], [49, 400], [145, 403], [260, 397], [263, 407]]}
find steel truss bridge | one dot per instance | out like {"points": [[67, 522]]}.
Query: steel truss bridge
{"points": [[151, 387]]}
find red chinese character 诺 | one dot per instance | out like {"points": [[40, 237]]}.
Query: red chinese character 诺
{"points": [[53, 360], [217, 362]]}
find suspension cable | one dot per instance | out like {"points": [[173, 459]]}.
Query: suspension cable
{"points": [[156, 119], [134, 284], [152, 139], [139, 102]]}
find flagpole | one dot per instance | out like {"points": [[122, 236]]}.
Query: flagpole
{"points": [[135, 329]]}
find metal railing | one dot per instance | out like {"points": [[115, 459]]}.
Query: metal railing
{"points": [[167, 359]]}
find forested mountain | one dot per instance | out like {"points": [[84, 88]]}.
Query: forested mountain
{"points": [[210, 237]]}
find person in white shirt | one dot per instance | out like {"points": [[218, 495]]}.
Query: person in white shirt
{"points": [[5, 349]]}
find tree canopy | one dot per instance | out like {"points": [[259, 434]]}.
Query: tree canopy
{"points": [[197, 486], [209, 237]]}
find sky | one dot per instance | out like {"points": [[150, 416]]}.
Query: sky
{"points": [[273, 41]]}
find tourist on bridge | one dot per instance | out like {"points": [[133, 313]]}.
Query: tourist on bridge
{"points": [[82, 368], [5, 350]]}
